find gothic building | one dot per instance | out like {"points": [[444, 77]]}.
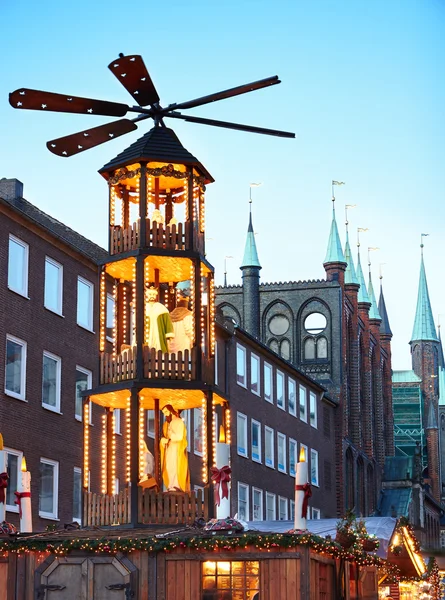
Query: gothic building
{"points": [[334, 331]]}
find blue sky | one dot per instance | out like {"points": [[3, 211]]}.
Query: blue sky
{"points": [[363, 87]]}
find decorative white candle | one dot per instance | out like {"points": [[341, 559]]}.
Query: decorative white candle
{"points": [[24, 499], [3, 480], [222, 460], [301, 487]]}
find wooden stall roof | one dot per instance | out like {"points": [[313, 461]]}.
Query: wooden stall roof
{"points": [[182, 399], [170, 268]]}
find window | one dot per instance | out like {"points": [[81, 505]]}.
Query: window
{"points": [[241, 434], [316, 513], [241, 365], [282, 508], [14, 458], [314, 467], [51, 382], [117, 485], [280, 390], [292, 457], [230, 579], [270, 507], [185, 416], [110, 317], [285, 349], [269, 447], [303, 404], [309, 349], [291, 396], [18, 266], [255, 374], [216, 363], [313, 409], [256, 440], [53, 295], [197, 431], [243, 501], [268, 392], [49, 488], [151, 423], [117, 420], [281, 449], [15, 368], [292, 510], [85, 291], [257, 503], [322, 347], [77, 495], [83, 382]]}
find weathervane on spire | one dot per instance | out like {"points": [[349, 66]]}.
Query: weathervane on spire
{"points": [[422, 235], [360, 229], [381, 272], [335, 183], [250, 193], [346, 214], [370, 249]]}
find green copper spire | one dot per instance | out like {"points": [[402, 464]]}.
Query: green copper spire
{"points": [[373, 311], [385, 329], [250, 252], [424, 328], [350, 274], [362, 292], [334, 253]]}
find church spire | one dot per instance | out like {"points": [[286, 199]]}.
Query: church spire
{"points": [[385, 329], [373, 311], [362, 292], [250, 258], [350, 274], [334, 253], [250, 269], [424, 328]]}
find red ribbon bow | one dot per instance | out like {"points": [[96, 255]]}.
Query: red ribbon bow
{"points": [[221, 478], [18, 500], [3, 486], [306, 488]]}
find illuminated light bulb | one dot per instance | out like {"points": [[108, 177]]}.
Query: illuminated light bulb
{"points": [[128, 441], [133, 299], [102, 310], [86, 455], [192, 300], [228, 428], [114, 319], [141, 442], [124, 314], [204, 439], [104, 455], [113, 452], [212, 315], [186, 201]]}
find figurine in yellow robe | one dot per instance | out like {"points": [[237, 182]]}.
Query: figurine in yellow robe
{"points": [[174, 460]]}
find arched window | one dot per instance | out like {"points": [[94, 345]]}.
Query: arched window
{"points": [[273, 345], [309, 349], [349, 478], [322, 347], [285, 349]]}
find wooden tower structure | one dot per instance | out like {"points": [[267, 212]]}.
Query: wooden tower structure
{"points": [[156, 258]]}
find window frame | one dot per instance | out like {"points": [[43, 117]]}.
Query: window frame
{"points": [[241, 378], [302, 414], [261, 504], [268, 367], [241, 417], [292, 510], [151, 434], [59, 291], [24, 345], [282, 499], [79, 417], [281, 437], [90, 325], [244, 486], [117, 421], [58, 361], [254, 423], [314, 463], [25, 273], [14, 508], [269, 431], [270, 495], [55, 465], [315, 513], [111, 298], [279, 375], [293, 443], [291, 382], [255, 358], [197, 411], [313, 403], [78, 470]]}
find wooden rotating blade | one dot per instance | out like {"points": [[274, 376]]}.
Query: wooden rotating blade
{"points": [[38, 100], [89, 138], [236, 91], [226, 124], [133, 75]]}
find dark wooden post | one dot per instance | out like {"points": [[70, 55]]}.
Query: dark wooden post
{"points": [[157, 448], [140, 315], [134, 455], [210, 450], [190, 223], [143, 205], [125, 208], [197, 311], [110, 434]]}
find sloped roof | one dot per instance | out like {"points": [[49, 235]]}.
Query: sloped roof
{"points": [[250, 258], [405, 377], [350, 274], [424, 328], [373, 311], [395, 502], [398, 468], [384, 325], [160, 144], [334, 252], [363, 292], [57, 229]]}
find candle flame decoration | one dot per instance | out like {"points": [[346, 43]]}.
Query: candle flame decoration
{"points": [[222, 434], [302, 457], [23, 467]]}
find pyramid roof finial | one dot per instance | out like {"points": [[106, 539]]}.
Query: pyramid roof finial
{"points": [[385, 329], [424, 328], [334, 253], [373, 311], [362, 292], [350, 274], [250, 258]]}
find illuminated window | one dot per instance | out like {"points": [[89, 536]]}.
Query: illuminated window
{"points": [[243, 501], [52, 366], [281, 452], [268, 391], [255, 374], [15, 369], [303, 404], [313, 409], [269, 458], [241, 434], [85, 296], [241, 365], [53, 295], [18, 266], [256, 440], [257, 504], [292, 456], [280, 390], [291, 396], [230, 579]]}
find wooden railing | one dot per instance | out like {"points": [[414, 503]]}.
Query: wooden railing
{"points": [[172, 508], [102, 509], [170, 237], [157, 365]]}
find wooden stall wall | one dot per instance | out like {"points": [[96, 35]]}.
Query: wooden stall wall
{"points": [[322, 578]]}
